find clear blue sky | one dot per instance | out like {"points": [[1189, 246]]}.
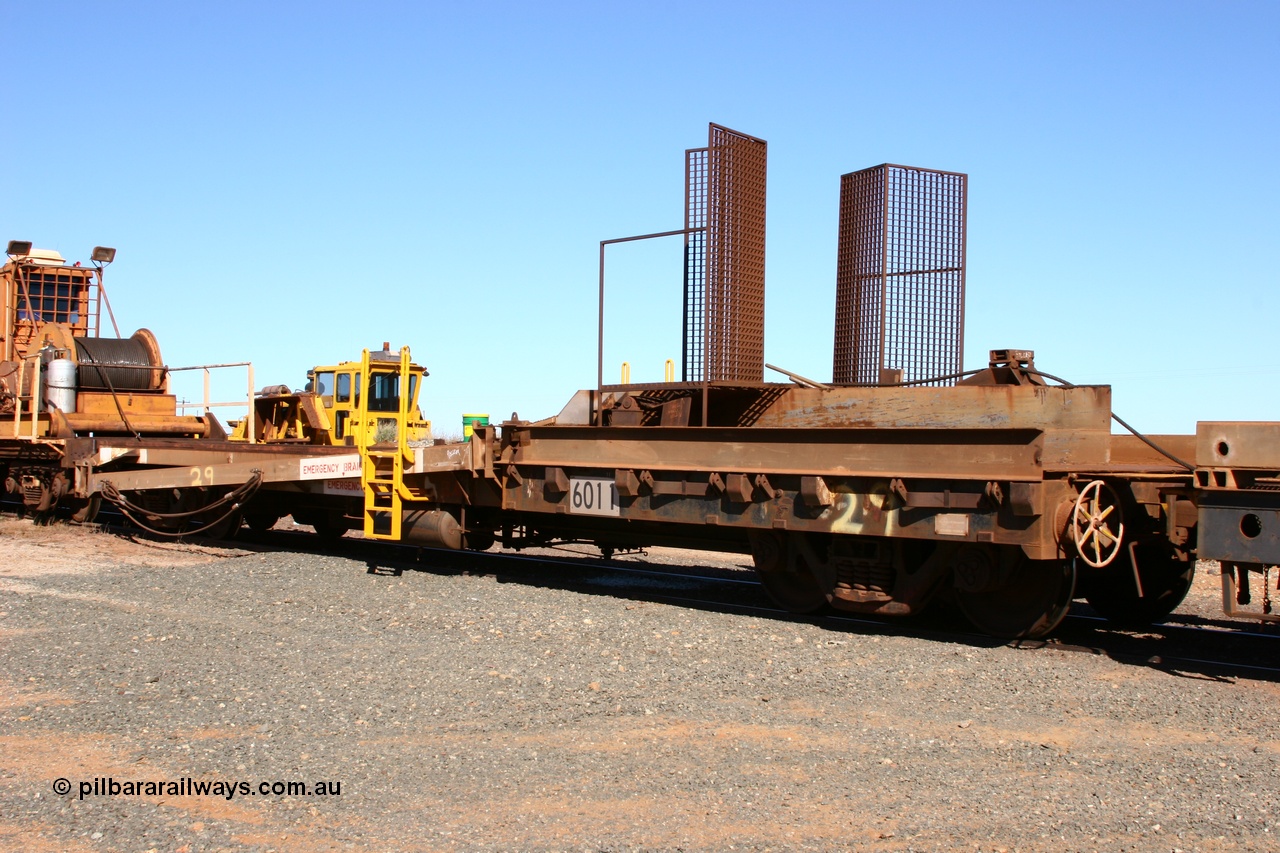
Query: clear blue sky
{"points": [[287, 183]]}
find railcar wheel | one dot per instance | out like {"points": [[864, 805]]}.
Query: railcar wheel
{"points": [[87, 509], [152, 510], [1008, 596], [260, 521], [789, 570], [329, 525], [479, 540], [328, 529], [1165, 582], [227, 527]]}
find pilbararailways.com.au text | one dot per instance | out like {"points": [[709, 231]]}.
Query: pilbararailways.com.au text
{"points": [[188, 787]]}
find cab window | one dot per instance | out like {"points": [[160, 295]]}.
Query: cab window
{"points": [[384, 392], [343, 392], [323, 385], [53, 296]]}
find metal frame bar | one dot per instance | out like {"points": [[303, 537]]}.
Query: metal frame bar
{"points": [[595, 404], [694, 338], [725, 191], [1230, 590], [207, 405]]}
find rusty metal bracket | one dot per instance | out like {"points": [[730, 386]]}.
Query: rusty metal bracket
{"points": [[1180, 516], [675, 413], [762, 482], [627, 412], [946, 499], [1235, 592], [626, 482], [1026, 499], [739, 488], [814, 491], [667, 487], [675, 487], [557, 481], [513, 473]]}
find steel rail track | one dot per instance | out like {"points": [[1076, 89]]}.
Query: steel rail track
{"points": [[1206, 651], [1176, 647]]}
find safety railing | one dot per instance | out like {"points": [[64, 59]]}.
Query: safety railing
{"points": [[209, 405], [28, 406], [32, 399]]}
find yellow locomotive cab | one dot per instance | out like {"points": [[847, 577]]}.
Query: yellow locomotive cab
{"points": [[327, 410]]}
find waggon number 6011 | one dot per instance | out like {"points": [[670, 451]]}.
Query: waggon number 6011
{"points": [[593, 496]]}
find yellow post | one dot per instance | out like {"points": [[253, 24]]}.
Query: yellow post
{"points": [[669, 375], [626, 373]]}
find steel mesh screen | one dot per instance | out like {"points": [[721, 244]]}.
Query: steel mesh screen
{"points": [[695, 263], [900, 274], [57, 295], [48, 294], [724, 312]]}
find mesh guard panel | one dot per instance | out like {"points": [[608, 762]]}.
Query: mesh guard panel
{"points": [[900, 274], [724, 264]]}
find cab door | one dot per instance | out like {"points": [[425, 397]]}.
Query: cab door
{"points": [[346, 400]]}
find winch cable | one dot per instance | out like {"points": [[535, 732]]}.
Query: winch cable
{"points": [[961, 375], [236, 498], [1065, 384], [1157, 448]]}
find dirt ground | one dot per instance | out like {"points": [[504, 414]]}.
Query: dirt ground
{"points": [[467, 713], [32, 551]]}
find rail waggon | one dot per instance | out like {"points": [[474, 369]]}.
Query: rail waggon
{"points": [[1000, 489], [61, 377], [1002, 492]]}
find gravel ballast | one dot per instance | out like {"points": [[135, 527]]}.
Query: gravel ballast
{"points": [[468, 712]]}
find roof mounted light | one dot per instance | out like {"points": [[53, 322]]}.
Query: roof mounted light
{"points": [[102, 255], [18, 248]]}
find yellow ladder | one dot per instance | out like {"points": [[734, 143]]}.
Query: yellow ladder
{"points": [[382, 464]]}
